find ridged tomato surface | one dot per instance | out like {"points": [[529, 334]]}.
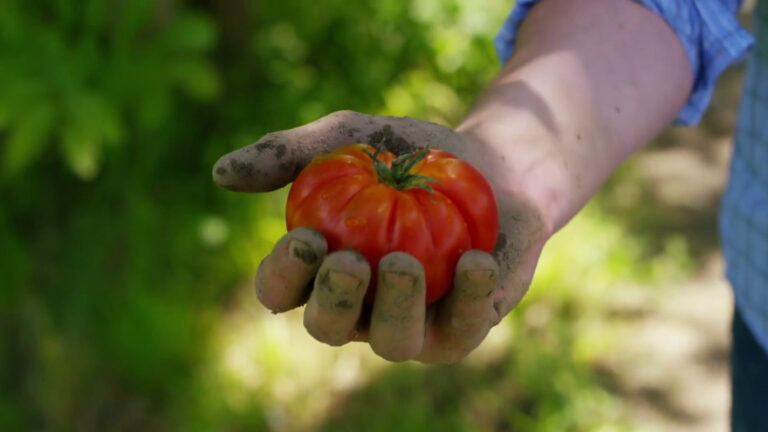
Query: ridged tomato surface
{"points": [[340, 195]]}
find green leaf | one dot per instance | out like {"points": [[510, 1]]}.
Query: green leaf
{"points": [[19, 96], [91, 111], [81, 150], [191, 32], [91, 123], [197, 78], [110, 125], [28, 138], [153, 106]]}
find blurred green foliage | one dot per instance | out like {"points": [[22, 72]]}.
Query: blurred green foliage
{"points": [[120, 258]]}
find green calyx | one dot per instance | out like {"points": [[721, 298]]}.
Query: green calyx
{"points": [[399, 175]]}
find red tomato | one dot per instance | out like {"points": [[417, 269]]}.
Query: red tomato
{"points": [[378, 210]]}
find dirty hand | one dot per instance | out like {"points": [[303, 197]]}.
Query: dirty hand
{"points": [[486, 287]]}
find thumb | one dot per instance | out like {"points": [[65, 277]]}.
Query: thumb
{"points": [[277, 158]]}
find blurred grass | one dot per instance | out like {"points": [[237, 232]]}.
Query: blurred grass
{"points": [[123, 305]]}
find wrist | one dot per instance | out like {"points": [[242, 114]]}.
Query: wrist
{"points": [[571, 105], [549, 140], [525, 166]]}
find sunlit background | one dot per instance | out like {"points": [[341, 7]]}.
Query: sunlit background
{"points": [[126, 301]]}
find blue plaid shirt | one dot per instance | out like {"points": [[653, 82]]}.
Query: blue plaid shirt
{"points": [[713, 40]]}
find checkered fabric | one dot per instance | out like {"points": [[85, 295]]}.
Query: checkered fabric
{"points": [[744, 210]]}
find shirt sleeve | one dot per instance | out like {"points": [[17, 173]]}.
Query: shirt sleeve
{"points": [[712, 36]]}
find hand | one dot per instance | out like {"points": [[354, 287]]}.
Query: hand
{"points": [[400, 327]]}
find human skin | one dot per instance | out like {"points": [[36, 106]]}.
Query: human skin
{"points": [[590, 83]]}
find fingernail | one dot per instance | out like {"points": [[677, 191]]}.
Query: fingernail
{"points": [[342, 281], [479, 275], [302, 252], [399, 279]]}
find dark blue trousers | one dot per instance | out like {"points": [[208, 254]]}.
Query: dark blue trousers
{"points": [[749, 373]]}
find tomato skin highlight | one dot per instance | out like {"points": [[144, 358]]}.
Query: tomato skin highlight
{"points": [[339, 194]]}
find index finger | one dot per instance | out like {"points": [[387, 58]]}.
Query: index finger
{"points": [[277, 158]]}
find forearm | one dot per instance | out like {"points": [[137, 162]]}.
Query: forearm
{"points": [[590, 83]]}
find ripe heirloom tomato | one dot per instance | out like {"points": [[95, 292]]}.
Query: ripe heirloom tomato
{"points": [[429, 204]]}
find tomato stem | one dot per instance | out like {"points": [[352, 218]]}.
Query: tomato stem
{"points": [[399, 175]]}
